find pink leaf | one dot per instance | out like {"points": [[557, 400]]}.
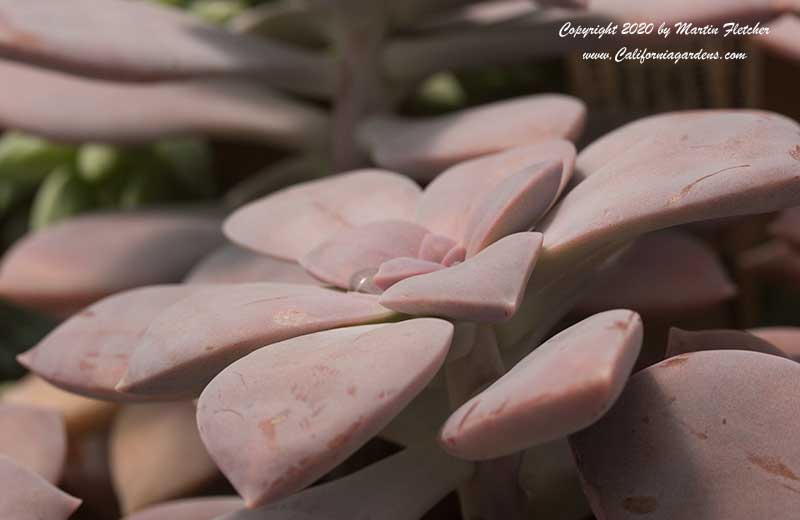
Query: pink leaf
{"points": [[204, 508], [563, 386], [305, 215], [34, 438], [89, 353], [27, 496], [448, 203], [425, 148], [362, 248], [783, 37], [192, 341], [699, 13], [685, 341], [304, 405], [703, 435], [74, 263], [397, 269], [787, 339], [232, 264], [486, 288], [93, 110]]}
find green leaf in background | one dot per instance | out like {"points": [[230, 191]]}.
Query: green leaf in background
{"points": [[62, 194], [100, 162], [189, 161], [144, 187], [217, 11], [28, 159], [19, 331]]}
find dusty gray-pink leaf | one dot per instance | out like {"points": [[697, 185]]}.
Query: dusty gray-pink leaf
{"points": [[783, 37], [684, 341], [304, 405], [27, 496], [699, 13], [204, 508], [161, 441], [131, 113], [34, 438], [67, 266], [397, 269], [702, 165], [291, 222], [423, 148], [233, 264], [89, 353], [193, 340], [722, 423], [435, 247], [362, 248], [515, 205], [449, 201], [563, 386], [787, 225], [487, 287], [103, 38], [390, 490], [787, 339], [661, 274]]}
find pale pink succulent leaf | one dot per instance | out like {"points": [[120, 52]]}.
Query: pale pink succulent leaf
{"points": [[27, 496], [390, 490], [563, 386], [423, 148], [487, 287], [455, 256], [435, 247], [363, 248], [291, 222], [787, 339], [703, 165], [161, 441], [718, 420], [193, 340], [662, 274], [397, 269], [69, 265], [34, 438], [774, 261], [698, 13], [304, 405], [515, 205], [89, 353], [233, 264], [203, 508], [684, 341], [478, 14], [103, 38], [783, 37], [450, 200], [130, 113]]}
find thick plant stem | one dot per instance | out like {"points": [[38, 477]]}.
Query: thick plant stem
{"points": [[494, 492], [360, 27]]}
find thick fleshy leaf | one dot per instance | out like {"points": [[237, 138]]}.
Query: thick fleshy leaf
{"points": [[34, 438], [54, 33], [685, 341], [425, 148], [787, 225], [88, 354], [397, 269], [93, 110], [549, 476], [661, 274], [232, 264], [363, 248], [434, 248], [157, 454], [702, 165], [722, 424], [448, 203], [27, 496], [775, 261], [204, 508], [390, 490], [783, 37], [293, 221], [485, 288], [515, 205], [563, 386], [787, 339], [81, 414], [67, 266], [709, 12], [479, 14], [304, 405], [192, 341]]}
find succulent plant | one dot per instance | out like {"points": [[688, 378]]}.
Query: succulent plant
{"points": [[354, 305]]}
